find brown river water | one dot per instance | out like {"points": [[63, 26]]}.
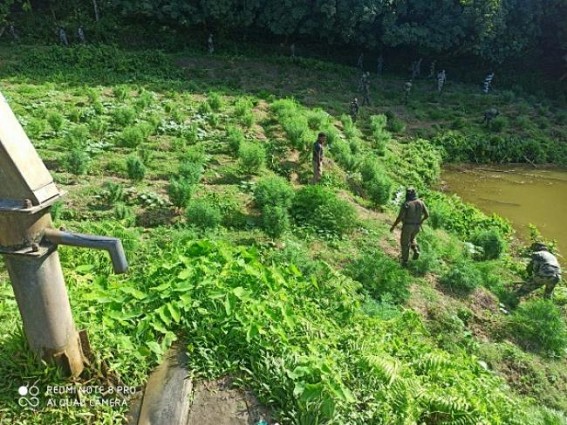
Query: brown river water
{"points": [[523, 195]]}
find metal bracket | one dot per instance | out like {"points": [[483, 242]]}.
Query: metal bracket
{"points": [[18, 206]]}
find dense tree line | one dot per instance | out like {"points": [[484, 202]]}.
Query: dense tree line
{"points": [[495, 30]]}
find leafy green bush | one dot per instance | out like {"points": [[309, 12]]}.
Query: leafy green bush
{"points": [[235, 138], [379, 133], [341, 152], [204, 214], [196, 155], [180, 191], [381, 277], [191, 172], [135, 168], [76, 138], [252, 157], [275, 220], [274, 191], [317, 118], [77, 162], [370, 168], [491, 241], [204, 108], [395, 125], [55, 120], [538, 325], [320, 208], [215, 101], [124, 115], [242, 107], [462, 278], [498, 124], [131, 137], [379, 189]]}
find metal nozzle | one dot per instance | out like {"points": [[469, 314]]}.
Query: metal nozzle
{"points": [[112, 245]]}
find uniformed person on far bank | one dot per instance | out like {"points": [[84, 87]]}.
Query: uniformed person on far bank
{"points": [[543, 270], [318, 154], [413, 213]]}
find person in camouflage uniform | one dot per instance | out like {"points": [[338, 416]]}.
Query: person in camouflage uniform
{"points": [[354, 109], [413, 213], [441, 79], [489, 115], [360, 62], [210, 44], [62, 36], [318, 154], [407, 90], [543, 269]]}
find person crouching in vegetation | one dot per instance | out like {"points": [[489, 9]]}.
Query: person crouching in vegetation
{"points": [[413, 213], [543, 269], [318, 147]]}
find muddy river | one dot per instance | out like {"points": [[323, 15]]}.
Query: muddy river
{"points": [[523, 195]]}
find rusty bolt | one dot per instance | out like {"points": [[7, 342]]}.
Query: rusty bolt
{"points": [[35, 247], [28, 203]]}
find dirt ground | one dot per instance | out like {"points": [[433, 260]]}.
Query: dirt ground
{"points": [[217, 403]]}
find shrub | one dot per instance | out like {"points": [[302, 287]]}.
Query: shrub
{"points": [[124, 213], [119, 92], [275, 220], [55, 120], [180, 191], [379, 189], [242, 107], [204, 108], [462, 278], [204, 213], [491, 242], [76, 137], [131, 137], [234, 137], [124, 116], [498, 124], [395, 125], [190, 134], [274, 191], [296, 129], [247, 119], [196, 154], [77, 162], [252, 157], [379, 133], [317, 118], [135, 168], [381, 277], [341, 152], [539, 326], [215, 101], [113, 192], [320, 208], [370, 169], [191, 172], [349, 128]]}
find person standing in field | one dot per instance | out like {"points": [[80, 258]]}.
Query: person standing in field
{"points": [[318, 148], [543, 270], [413, 213]]}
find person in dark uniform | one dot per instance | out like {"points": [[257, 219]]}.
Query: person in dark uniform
{"points": [[543, 270], [413, 213], [318, 154]]}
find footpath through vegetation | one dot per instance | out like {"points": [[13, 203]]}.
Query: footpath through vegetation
{"points": [[201, 165]]}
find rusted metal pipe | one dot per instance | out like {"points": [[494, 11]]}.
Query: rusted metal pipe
{"points": [[112, 245], [44, 305]]}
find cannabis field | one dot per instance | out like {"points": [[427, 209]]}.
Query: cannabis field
{"points": [[202, 166]]}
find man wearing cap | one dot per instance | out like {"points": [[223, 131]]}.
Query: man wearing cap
{"points": [[543, 269], [318, 157], [413, 213]]}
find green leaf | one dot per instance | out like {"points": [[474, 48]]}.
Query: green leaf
{"points": [[174, 311], [154, 347], [139, 295]]}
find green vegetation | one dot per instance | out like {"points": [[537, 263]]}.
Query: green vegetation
{"points": [[293, 289]]}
